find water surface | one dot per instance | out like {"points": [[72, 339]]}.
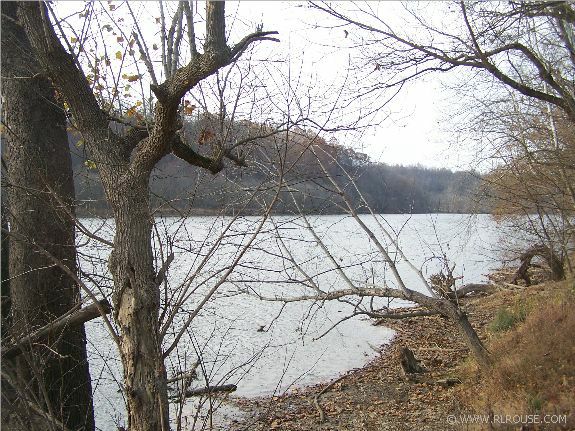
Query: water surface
{"points": [[268, 347]]}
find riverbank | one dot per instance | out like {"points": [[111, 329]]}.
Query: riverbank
{"points": [[380, 397]]}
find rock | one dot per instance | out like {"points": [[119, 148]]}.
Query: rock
{"points": [[448, 382]]}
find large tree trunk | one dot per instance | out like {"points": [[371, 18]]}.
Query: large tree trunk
{"points": [[39, 166], [136, 304], [4, 273]]}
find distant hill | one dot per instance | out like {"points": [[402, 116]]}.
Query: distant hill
{"points": [[179, 188]]}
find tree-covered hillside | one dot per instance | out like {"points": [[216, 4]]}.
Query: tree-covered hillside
{"points": [[177, 187]]}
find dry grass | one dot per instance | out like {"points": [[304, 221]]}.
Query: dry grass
{"points": [[534, 360]]}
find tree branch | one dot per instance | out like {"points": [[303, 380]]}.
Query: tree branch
{"points": [[188, 11], [186, 153], [215, 27], [67, 321]]}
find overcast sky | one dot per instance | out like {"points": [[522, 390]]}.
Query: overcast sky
{"points": [[416, 126], [416, 132]]}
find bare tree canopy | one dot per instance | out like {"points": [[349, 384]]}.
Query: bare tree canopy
{"points": [[528, 47]]}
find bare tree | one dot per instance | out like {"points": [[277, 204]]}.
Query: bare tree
{"points": [[125, 164], [439, 295], [532, 188], [524, 46], [517, 61]]}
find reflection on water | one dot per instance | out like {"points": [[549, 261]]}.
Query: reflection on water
{"points": [[265, 347]]}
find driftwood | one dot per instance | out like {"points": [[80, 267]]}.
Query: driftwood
{"points": [[69, 320], [409, 364], [210, 390], [554, 262], [470, 288]]}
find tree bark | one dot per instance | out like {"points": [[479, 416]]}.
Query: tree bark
{"points": [[136, 307], [4, 273], [39, 163]]}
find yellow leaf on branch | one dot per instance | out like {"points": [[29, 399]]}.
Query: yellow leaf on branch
{"points": [[189, 110]]}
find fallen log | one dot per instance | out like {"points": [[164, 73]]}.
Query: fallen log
{"points": [[470, 288], [210, 390], [57, 326]]}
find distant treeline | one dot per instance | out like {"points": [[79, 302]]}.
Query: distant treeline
{"points": [[300, 163]]}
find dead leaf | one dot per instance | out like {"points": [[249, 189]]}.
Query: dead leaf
{"points": [[205, 136], [189, 110]]}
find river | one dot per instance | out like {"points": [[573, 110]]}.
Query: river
{"points": [[265, 347]]}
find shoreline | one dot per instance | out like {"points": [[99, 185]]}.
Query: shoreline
{"points": [[358, 398], [378, 396]]}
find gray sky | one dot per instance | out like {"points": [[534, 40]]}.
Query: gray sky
{"points": [[414, 127], [415, 130]]}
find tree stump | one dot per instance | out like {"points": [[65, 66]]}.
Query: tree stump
{"points": [[409, 364]]}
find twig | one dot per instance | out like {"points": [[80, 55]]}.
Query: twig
{"points": [[324, 390]]}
